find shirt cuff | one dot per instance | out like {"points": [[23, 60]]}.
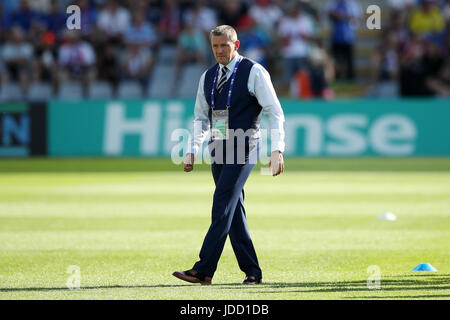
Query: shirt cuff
{"points": [[278, 147], [277, 140]]}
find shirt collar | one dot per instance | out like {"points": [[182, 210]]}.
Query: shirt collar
{"points": [[231, 64]]}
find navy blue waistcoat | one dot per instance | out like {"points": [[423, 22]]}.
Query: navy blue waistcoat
{"points": [[245, 111]]}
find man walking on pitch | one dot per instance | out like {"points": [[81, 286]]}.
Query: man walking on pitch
{"points": [[230, 99]]}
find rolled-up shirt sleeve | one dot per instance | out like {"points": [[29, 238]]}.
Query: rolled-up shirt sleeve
{"points": [[201, 120], [260, 86]]}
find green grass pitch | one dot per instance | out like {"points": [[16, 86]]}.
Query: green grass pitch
{"points": [[129, 223]]}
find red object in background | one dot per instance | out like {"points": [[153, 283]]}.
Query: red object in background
{"points": [[245, 21], [304, 84], [48, 38], [302, 88]]}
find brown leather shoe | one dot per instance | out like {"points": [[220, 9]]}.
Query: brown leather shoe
{"points": [[193, 276], [251, 280]]}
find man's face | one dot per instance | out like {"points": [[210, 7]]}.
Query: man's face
{"points": [[223, 48]]}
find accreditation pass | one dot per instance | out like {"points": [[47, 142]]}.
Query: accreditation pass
{"points": [[219, 127]]}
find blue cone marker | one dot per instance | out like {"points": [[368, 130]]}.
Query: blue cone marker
{"points": [[425, 267]]}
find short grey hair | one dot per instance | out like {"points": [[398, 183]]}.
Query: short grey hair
{"points": [[224, 29]]}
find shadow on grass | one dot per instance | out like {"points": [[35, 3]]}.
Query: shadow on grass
{"points": [[423, 282]]}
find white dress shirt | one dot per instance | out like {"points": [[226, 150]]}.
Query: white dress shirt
{"points": [[260, 86]]}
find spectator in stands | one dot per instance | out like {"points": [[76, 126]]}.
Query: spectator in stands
{"points": [[385, 67], [314, 81], [24, 17], [192, 44], [446, 11], [113, 21], [412, 72], [345, 16], [154, 11], [4, 20], [401, 5], [296, 32], [76, 60], [108, 63], [107, 25], [141, 32], [432, 59], [151, 9], [141, 6], [41, 6], [446, 40], [203, 18], [170, 22], [422, 67], [254, 40], [385, 60], [230, 11], [398, 29], [397, 23], [17, 55], [46, 59], [309, 8], [137, 64], [89, 20], [9, 7], [266, 14], [439, 84], [191, 48], [427, 19], [321, 73], [55, 19]]}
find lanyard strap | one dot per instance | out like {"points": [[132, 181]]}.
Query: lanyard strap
{"points": [[230, 90]]}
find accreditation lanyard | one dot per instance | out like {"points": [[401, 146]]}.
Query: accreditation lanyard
{"points": [[219, 118], [230, 90]]}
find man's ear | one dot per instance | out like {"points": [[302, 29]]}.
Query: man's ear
{"points": [[237, 44]]}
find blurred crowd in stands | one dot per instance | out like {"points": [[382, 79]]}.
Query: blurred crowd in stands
{"points": [[306, 45], [413, 57]]}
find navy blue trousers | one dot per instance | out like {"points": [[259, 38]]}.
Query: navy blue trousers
{"points": [[228, 218]]}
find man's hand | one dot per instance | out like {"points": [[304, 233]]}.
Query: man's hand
{"points": [[276, 163], [189, 162]]}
